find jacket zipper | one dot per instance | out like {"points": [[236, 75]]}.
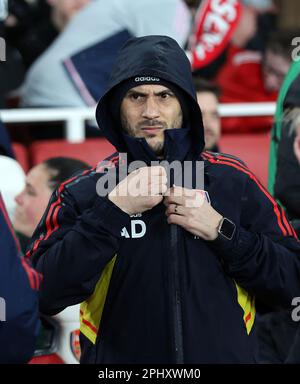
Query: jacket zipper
{"points": [[176, 295]]}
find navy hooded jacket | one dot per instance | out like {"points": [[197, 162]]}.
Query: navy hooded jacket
{"points": [[19, 315], [145, 297]]}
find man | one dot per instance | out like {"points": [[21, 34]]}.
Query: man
{"points": [[38, 186], [19, 315], [207, 96], [278, 331], [163, 279]]}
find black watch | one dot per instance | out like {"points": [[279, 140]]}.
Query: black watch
{"points": [[226, 228]]}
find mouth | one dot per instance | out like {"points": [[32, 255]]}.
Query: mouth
{"points": [[152, 130]]}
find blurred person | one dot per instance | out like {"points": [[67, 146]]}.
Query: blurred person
{"points": [[41, 181], [258, 21], [246, 24], [162, 278], [11, 66], [249, 76], [19, 284], [278, 331], [286, 129], [31, 27], [287, 182], [207, 96], [70, 74]]}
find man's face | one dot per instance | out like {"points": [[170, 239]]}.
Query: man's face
{"points": [[275, 67], [32, 201], [208, 103], [147, 111]]}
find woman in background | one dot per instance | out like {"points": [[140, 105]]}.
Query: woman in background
{"points": [[41, 181]]}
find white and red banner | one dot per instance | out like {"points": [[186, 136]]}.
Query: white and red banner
{"points": [[215, 23]]}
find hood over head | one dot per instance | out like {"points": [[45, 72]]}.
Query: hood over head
{"points": [[150, 60]]}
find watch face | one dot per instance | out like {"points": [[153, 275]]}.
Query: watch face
{"points": [[227, 228]]}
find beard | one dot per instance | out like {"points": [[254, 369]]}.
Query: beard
{"points": [[155, 141]]}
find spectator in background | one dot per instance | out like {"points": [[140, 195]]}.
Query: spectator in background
{"points": [[207, 96], [70, 74], [32, 27], [278, 333], [287, 183], [246, 25], [41, 181], [248, 76]]}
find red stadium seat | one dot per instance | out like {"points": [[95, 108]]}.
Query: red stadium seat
{"points": [[21, 156], [91, 150], [253, 149]]}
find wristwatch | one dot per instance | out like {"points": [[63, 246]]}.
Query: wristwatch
{"points": [[226, 228]]}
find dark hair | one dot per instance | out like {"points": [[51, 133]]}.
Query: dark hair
{"points": [[202, 85], [62, 169], [280, 42]]}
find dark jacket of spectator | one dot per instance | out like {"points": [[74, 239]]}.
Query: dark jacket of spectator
{"points": [[19, 284]]}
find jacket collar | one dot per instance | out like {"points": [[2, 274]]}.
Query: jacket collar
{"points": [[177, 146]]}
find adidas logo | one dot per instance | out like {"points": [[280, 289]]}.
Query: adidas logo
{"points": [[148, 78]]}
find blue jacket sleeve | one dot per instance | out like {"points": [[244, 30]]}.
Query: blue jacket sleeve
{"points": [[264, 255], [72, 246], [19, 316]]}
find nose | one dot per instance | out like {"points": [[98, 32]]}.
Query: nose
{"points": [[151, 110], [19, 198]]}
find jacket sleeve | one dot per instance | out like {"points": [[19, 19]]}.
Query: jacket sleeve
{"points": [[19, 315], [71, 248], [264, 255]]}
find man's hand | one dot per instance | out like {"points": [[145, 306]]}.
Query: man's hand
{"points": [[297, 147], [141, 190], [189, 209]]}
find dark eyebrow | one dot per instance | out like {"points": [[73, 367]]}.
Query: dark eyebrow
{"points": [[165, 91], [135, 93], [142, 94]]}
